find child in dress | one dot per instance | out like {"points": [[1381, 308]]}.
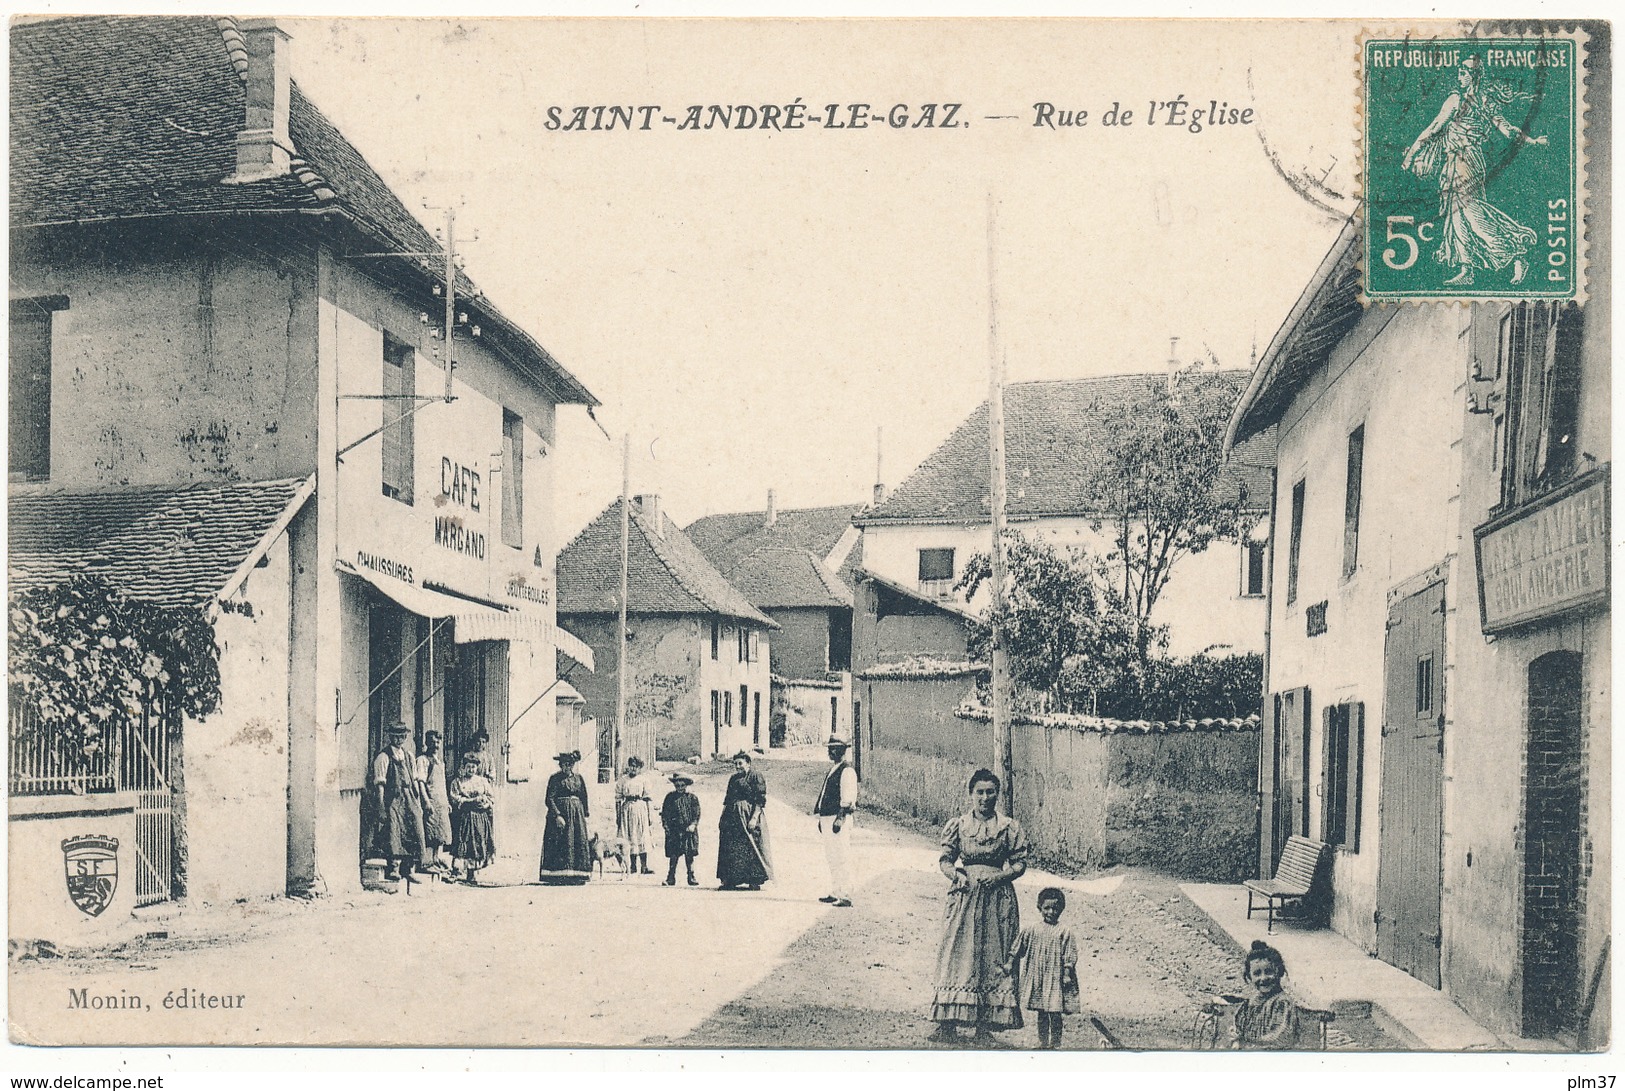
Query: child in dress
{"points": [[471, 797], [680, 815], [1048, 984], [1269, 1018]]}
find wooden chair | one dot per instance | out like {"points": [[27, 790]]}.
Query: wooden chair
{"points": [[1295, 876], [1210, 1026]]}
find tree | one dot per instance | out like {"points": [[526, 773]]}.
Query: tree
{"points": [[90, 661], [1162, 484], [1066, 628]]}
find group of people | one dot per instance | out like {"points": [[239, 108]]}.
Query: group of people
{"points": [[744, 855], [989, 967], [425, 822]]}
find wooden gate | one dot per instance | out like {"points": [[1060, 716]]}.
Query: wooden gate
{"points": [[1409, 868], [145, 770]]}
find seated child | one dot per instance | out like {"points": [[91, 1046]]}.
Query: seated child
{"points": [[1269, 1018]]}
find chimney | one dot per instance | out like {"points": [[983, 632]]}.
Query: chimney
{"points": [[1173, 365], [880, 494], [649, 504], [263, 145], [880, 490], [772, 510]]}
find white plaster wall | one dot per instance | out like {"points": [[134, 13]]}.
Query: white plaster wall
{"points": [[237, 759], [1401, 381], [726, 674], [1202, 604]]}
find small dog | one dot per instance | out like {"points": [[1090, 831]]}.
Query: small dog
{"points": [[605, 850]]}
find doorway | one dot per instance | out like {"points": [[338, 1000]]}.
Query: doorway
{"points": [[1552, 899], [1410, 870]]}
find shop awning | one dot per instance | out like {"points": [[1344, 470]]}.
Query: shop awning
{"points": [[474, 621]]}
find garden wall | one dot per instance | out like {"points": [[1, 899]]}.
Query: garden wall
{"points": [[1177, 797]]}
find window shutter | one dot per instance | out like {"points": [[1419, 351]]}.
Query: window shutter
{"points": [[1330, 790], [1354, 778]]}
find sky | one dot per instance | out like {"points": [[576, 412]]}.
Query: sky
{"points": [[753, 307]]}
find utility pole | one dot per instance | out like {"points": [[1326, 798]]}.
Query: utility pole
{"points": [[1002, 754], [620, 655], [451, 290]]}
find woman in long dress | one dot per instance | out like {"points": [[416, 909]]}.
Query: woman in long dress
{"points": [[742, 830], [983, 853], [566, 846], [1473, 234], [634, 814]]}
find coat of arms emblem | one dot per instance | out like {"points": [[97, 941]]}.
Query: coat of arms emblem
{"points": [[90, 862]]}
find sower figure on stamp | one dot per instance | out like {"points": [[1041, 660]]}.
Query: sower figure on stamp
{"points": [[837, 801], [1474, 234], [399, 805]]}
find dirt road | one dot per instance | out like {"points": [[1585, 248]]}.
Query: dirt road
{"points": [[624, 961]]}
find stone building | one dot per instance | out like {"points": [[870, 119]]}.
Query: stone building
{"points": [[1439, 644], [211, 289], [697, 651]]}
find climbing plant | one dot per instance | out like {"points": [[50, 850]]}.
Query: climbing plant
{"points": [[89, 660]]}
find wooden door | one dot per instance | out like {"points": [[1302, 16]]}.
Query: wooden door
{"points": [[1291, 768], [1409, 866]]}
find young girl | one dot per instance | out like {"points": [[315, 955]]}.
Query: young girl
{"points": [[1269, 1018], [1049, 982], [680, 815], [471, 800]]}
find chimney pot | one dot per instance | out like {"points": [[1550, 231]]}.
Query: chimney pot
{"points": [[772, 509], [263, 144], [649, 504], [880, 493]]}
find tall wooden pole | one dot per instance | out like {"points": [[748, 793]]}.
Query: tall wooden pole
{"points": [[620, 644], [451, 291], [1002, 755]]}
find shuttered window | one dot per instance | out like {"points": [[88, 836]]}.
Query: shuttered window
{"points": [[1343, 762], [513, 479], [1294, 544], [1351, 502], [399, 434]]}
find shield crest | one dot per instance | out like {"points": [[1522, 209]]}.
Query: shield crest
{"points": [[90, 862]]}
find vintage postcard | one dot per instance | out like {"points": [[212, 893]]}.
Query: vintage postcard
{"points": [[895, 534]]}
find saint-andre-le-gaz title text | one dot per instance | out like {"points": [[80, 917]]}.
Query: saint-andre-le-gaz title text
{"points": [[1193, 116]]}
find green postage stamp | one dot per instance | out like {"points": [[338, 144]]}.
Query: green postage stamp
{"points": [[1473, 168]]}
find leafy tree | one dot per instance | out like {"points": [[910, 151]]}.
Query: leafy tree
{"points": [[1066, 628], [1161, 480], [88, 660]]}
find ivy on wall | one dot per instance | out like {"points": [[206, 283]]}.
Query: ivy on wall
{"points": [[88, 660]]}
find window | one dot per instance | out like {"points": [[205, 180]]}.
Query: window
{"points": [[756, 729], [1294, 544], [1252, 569], [1351, 502], [744, 644], [1424, 684], [716, 636], [29, 417], [936, 564], [398, 417], [753, 649], [1538, 350], [1341, 775], [728, 708], [513, 479], [744, 705]]}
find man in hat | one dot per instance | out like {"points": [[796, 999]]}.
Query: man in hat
{"points": [[836, 801], [399, 805], [680, 815]]}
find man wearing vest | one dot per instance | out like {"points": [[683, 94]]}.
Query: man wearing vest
{"points": [[836, 802]]}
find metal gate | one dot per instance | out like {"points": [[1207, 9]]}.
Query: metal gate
{"points": [[1409, 867], [145, 762]]}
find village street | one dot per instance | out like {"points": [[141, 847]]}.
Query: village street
{"points": [[624, 962]]}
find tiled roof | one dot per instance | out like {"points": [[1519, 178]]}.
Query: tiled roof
{"points": [[780, 565], [172, 546], [971, 710], [1053, 454], [136, 117], [666, 573]]}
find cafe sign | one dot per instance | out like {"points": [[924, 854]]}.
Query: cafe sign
{"points": [[1546, 559]]}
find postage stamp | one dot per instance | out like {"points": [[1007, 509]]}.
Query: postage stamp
{"points": [[1473, 168]]}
